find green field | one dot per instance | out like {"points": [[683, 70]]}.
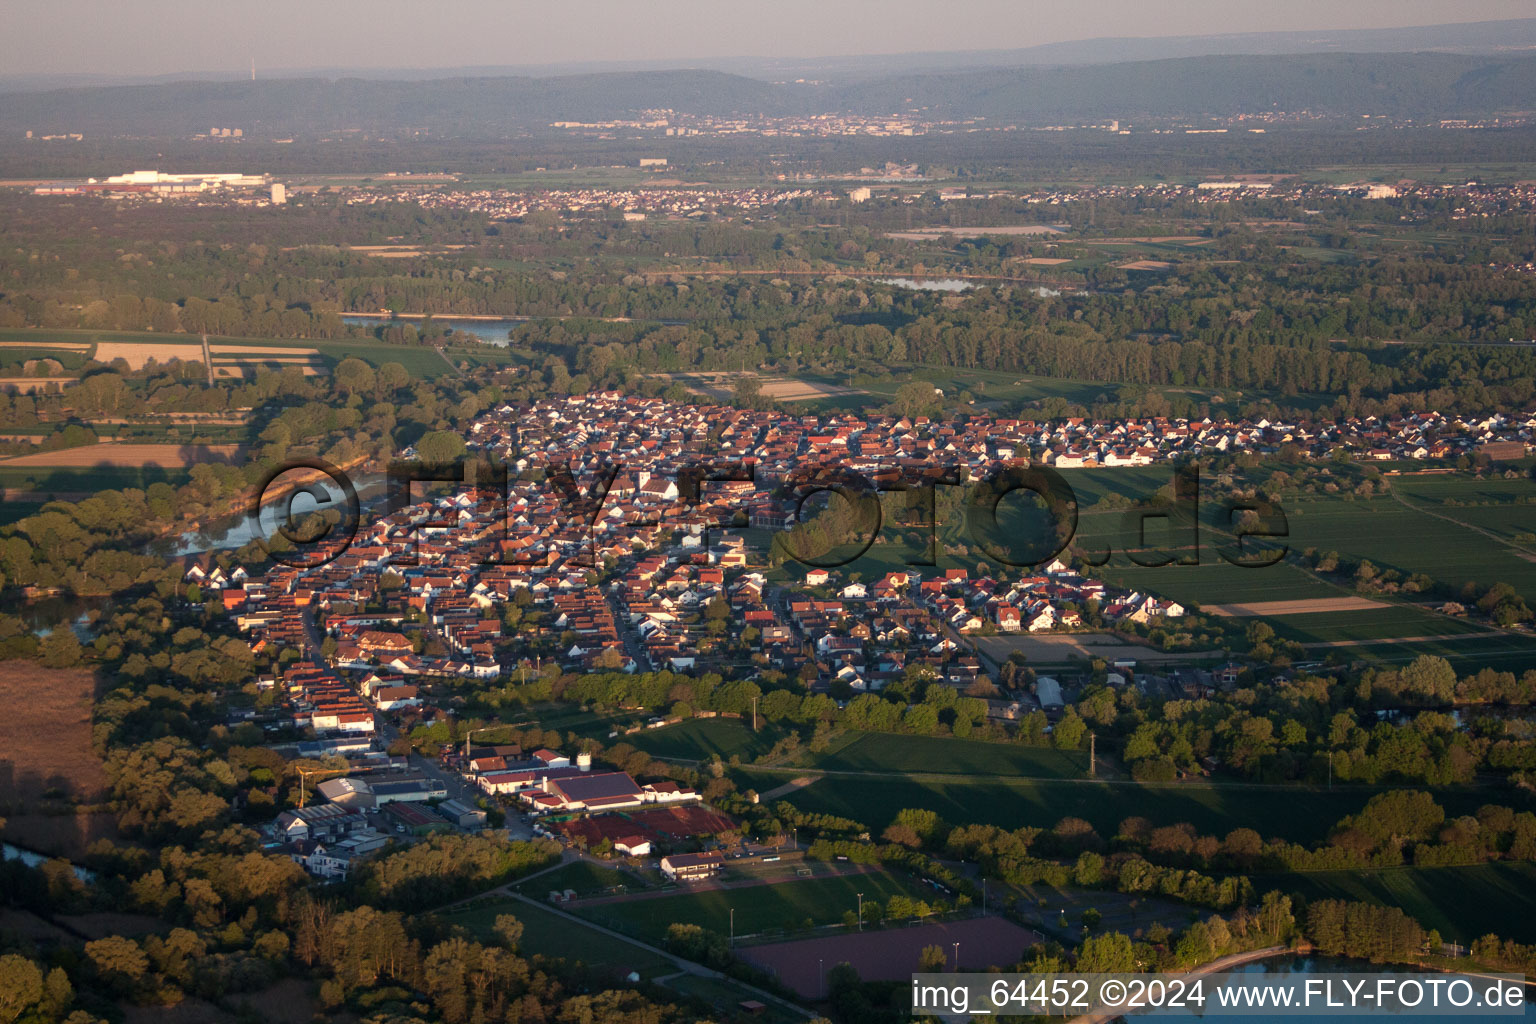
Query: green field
{"points": [[1392, 535], [726, 996], [581, 875], [549, 934], [698, 738], [1214, 581], [580, 722], [1299, 813], [1502, 652], [1463, 903], [780, 907], [1392, 622], [885, 752]]}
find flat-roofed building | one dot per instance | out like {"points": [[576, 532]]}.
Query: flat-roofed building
{"points": [[691, 867]]}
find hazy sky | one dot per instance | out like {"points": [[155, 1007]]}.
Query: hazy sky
{"points": [[164, 36]]}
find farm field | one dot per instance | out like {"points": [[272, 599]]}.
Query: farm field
{"points": [[885, 752], [784, 906], [698, 738], [46, 760], [130, 456], [1397, 621], [1463, 903], [1278, 608], [1502, 652], [1216, 581], [1392, 535], [549, 934], [1439, 488], [1299, 813], [1510, 522], [45, 738]]}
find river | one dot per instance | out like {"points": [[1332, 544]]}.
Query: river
{"points": [[33, 859]]}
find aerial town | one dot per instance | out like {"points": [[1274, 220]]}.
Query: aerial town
{"points": [[484, 588]]}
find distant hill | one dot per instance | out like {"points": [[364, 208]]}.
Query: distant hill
{"points": [[1507, 38], [1428, 85]]}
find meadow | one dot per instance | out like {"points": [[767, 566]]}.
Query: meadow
{"points": [[698, 738], [1396, 621], [783, 906], [585, 877], [1462, 903], [1397, 536], [886, 752], [549, 934]]}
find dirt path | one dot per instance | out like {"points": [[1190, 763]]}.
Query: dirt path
{"points": [[1303, 606], [1393, 640]]}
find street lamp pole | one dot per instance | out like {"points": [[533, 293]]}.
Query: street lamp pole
{"points": [[861, 911], [957, 957], [733, 927], [821, 978]]}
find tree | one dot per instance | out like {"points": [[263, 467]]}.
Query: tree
{"points": [[509, 929], [1069, 732], [440, 446], [916, 398], [21, 986], [1430, 677], [353, 376], [1110, 953], [60, 648], [118, 960], [931, 960]]}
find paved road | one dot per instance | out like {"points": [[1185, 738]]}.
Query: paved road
{"points": [[456, 785]]}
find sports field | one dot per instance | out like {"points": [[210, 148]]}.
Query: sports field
{"points": [[891, 954], [784, 906], [1463, 903], [885, 752]]}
